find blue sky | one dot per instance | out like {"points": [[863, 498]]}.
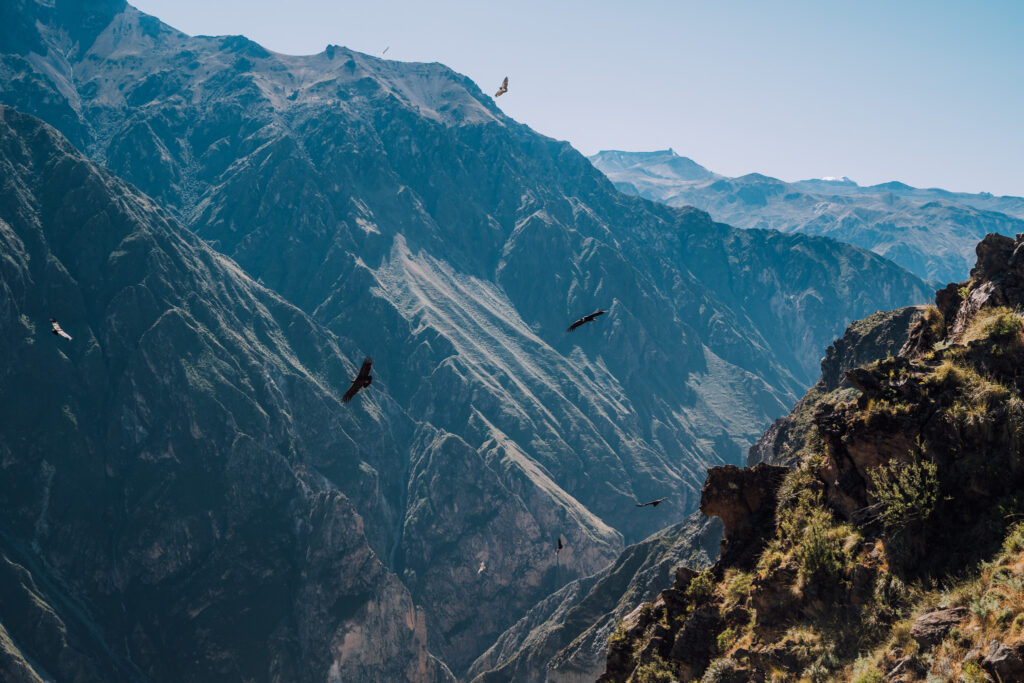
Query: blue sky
{"points": [[929, 93]]}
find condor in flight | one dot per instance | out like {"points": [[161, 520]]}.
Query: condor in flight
{"points": [[58, 330], [363, 380], [503, 89], [652, 503], [585, 319]]}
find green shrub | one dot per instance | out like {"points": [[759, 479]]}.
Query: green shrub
{"points": [[819, 552], [1014, 542], [971, 672], [724, 639], [619, 634], [1004, 326], [907, 492], [655, 671], [701, 588], [737, 586]]}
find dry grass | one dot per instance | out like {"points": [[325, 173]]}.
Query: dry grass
{"points": [[999, 322]]}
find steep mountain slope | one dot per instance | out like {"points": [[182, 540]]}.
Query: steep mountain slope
{"points": [[396, 205], [178, 478], [564, 638], [931, 233], [892, 549]]}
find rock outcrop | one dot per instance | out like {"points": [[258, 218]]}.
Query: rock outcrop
{"points": [[907, 478], [744, 499]]}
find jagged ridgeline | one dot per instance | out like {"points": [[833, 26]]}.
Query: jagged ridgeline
{"points": [[930, 232], [188, 495], [881, 536]]}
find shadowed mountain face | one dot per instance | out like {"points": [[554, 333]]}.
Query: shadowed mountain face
{"points": [[397, 207], [930, 232], [172, 477], [565, 637]]}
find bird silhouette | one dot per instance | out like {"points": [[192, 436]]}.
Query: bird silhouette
{"points": [[652, 503], [585, 319], [58, 330], [385, 51], [362, 380], [503, 89], [560, 546]]}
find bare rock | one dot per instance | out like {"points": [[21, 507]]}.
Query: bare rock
{"points": [[1005, 662], [929, 629], [744, 499]]}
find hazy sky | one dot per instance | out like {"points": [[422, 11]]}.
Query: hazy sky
{"points": [[927, 92]]}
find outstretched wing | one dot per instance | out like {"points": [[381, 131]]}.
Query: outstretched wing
{"points": [[364, 371], [576, 324], [352, 391], [59, 331], [503, 89], [360, 381], [595, 314]]}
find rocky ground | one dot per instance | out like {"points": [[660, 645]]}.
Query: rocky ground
{"points": [[888, 546]]}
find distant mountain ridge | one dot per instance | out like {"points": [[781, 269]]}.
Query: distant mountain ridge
{"points": [[409, 219], [931, 232]]}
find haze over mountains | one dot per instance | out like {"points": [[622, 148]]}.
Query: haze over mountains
{"points": [[187, 492], [930, 232]]}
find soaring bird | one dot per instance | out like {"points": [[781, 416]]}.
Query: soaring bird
{"points": [[652, 503], [58, 330], [585, 319], [362, 380], [385, 51], [560, 546], [503, 89]]}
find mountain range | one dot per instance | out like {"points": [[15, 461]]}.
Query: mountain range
{"points": [[930, 232], [226, 232]]}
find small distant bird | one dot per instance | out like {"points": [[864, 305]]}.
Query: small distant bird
{"points": [[58, 330], [362, 380], [385, 51], [560, 546], [652, 503], [483, 567], [503, 89], [585, 319]]}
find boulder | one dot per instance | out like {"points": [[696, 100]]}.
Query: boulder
{"points": [[1005, 662], [929, 629]]}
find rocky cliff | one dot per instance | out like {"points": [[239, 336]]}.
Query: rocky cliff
{"points": [[563, 638], [891, 548], [175, 475]]}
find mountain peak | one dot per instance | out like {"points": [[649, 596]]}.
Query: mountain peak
{"points": [[665, 164]]}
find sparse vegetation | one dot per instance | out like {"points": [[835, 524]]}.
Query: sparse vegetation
{"points": [[906, 491], [896, 509], [720, 671], [701, 588], [655, 671]]}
